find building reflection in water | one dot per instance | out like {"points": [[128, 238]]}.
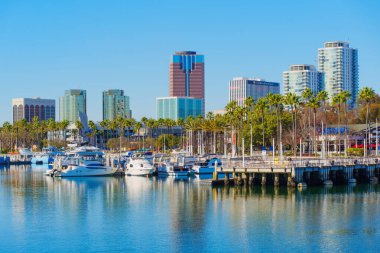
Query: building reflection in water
{"points": [[183, 214]]}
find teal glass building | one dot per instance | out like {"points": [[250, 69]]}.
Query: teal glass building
{"points": [[115, 104], [73, 102], [179, 107]]}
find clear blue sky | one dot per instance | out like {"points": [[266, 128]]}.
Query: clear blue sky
{"points": [[49, 46]]}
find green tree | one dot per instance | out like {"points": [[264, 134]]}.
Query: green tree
{"points": [[366, 96]]}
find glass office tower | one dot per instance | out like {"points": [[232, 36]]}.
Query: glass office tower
{"points": [[115, 104], [73, 102]]}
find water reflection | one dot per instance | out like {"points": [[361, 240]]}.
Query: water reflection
{"points": [[179, 214]]}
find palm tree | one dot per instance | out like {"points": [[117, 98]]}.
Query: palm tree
{"points": [[314, 104], [126, 123], [191, 126], [151, 124], [366, 96], [230, 109], [137, 126], [306, 96], [276, 100], [93, 133], [79, 126], [7, 128], [63, 127], [345, 97], [144, 121], [323, 96], [104, 124], [181, 124], [249, 104], [338, 100], [261, 106], [292, 100]]}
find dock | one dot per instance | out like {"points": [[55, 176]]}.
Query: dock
{"points": [[301, 173]]}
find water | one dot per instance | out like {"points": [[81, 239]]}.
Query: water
{"points": [[42, 214]]}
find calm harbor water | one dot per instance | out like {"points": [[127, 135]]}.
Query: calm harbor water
{"points": [[43, 214]]}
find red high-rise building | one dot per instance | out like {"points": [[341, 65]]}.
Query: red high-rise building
{"points": [[186, 75]]}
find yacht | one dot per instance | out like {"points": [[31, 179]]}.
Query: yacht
{"points": [[81, 166], [138, 166], [46, 156], [207, 167]]}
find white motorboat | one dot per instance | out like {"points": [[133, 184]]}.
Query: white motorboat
{"points": [[207, 167], [172, 169], [81, 166], [138, 166]]}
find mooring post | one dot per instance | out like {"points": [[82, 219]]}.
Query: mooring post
{"points": [[226, 178], [239, 178], [251, 179], [290, 180], [245, 179], [215, 171], [276, 180], [263, 179], [234, 175]]}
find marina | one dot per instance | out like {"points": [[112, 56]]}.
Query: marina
{"points": [[299, 172]]}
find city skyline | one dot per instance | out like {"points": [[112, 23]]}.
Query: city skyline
{"points": [[77, 53]]}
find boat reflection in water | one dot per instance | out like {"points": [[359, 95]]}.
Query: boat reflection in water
{"points": [[181, 215]]}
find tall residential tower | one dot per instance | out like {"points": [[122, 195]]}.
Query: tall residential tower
{"points": [[302, 76], [115, 104], [73, 102], [339, 64]]}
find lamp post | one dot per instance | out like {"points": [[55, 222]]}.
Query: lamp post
{"points": [[377, 140]]}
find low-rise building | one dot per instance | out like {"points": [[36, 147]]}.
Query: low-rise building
{"points": [[28, 108], [179, 107]]}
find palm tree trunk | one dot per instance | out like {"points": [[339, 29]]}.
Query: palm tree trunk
{"points": [[262, 124], [314, 137], [367, 127]]}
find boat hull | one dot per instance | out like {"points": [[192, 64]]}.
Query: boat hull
{"points": [[42, 160], [139, 172], [173, 173], [203, 170], [83, 171]]}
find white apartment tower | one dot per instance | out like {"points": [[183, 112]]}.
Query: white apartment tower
{"points": [[302, 76], [339, 64]]}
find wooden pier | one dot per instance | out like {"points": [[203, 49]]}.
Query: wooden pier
{"points": [[298, 173]]}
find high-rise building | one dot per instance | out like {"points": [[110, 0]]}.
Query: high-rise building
{"points": [[28, 108], [73, 102], [179, 107], [302, 76], [241, 88], [186, 75], [339, 64], [115, 104]]}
